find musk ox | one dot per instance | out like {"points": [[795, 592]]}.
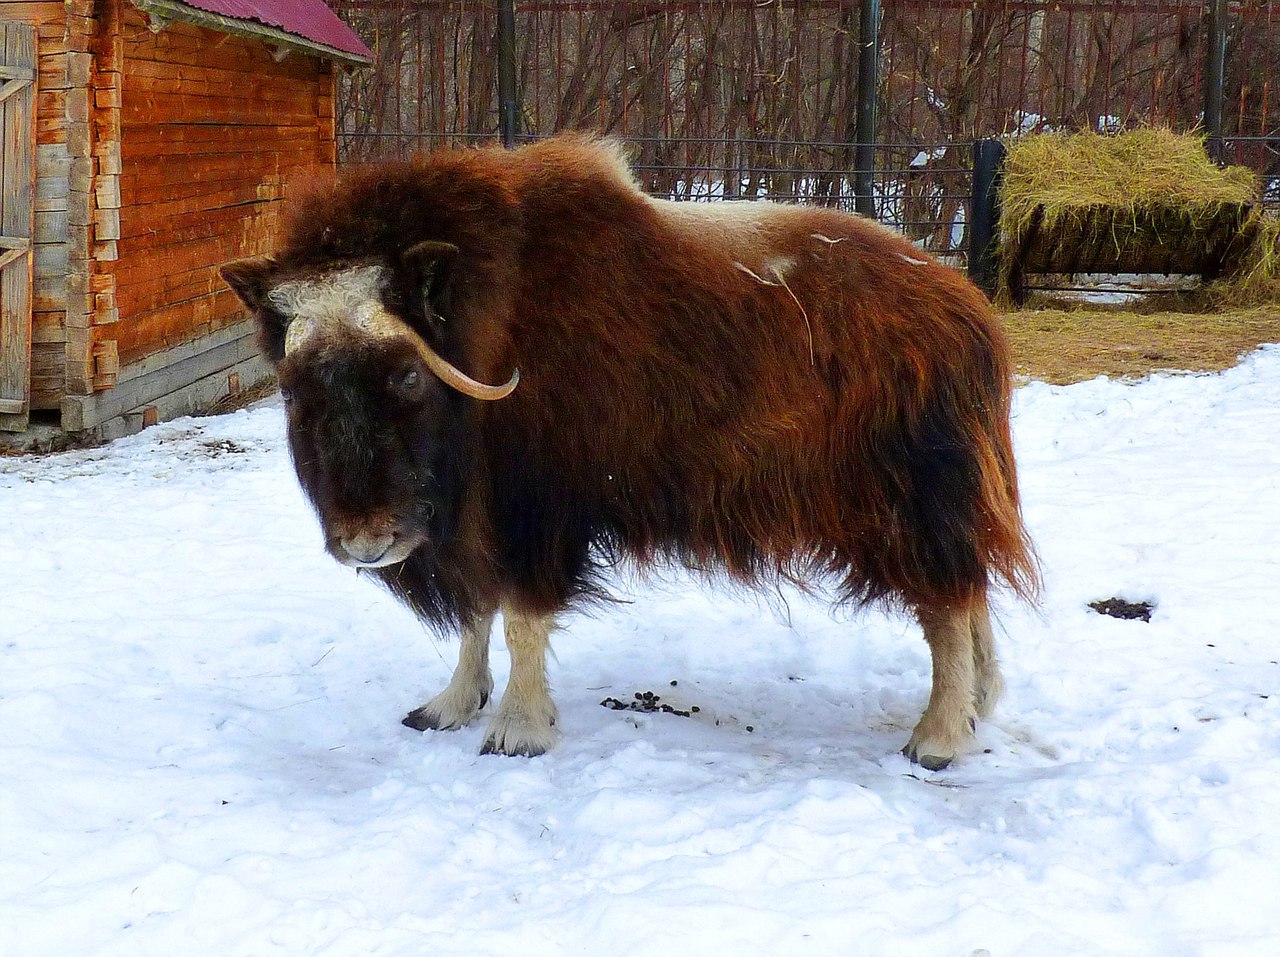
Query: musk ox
{"points": [[507, 370]]}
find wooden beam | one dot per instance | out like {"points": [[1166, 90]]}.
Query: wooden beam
{"points": [[168, 373], [11, 255], [17, 219], [11, 87]]}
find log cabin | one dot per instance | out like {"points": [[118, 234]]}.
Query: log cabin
{"points": [[144, 143]]}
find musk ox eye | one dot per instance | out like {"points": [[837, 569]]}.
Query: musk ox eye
{"points": [[408, 385], [286, 394]]}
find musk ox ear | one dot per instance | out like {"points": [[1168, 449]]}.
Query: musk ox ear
{"points": [[427, 267], [428, 257], [250, 279]]}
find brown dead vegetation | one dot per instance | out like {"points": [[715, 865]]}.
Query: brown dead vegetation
{"points": [[1061, 346]]}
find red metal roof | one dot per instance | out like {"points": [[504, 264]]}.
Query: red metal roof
{"points": [[309, 19]]}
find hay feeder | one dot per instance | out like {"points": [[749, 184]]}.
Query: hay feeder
{"points": [[1145, 202]]}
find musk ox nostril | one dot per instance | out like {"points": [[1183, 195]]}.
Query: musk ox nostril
{"points": [[366, 547]]}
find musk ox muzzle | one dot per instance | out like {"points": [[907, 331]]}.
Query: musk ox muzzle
{"points": [[374, 541]]}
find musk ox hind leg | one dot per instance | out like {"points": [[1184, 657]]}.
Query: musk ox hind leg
{"points": [[526, 718], [987, 683], [950, 718], [468, 689]]}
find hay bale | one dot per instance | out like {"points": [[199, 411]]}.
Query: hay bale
{"points": [[1147, 200], [1256, 279]]}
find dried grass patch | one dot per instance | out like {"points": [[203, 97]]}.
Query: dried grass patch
{"points": [[1062, 346]]}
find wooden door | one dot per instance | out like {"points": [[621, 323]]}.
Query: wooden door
{"points": [[17, 212]]}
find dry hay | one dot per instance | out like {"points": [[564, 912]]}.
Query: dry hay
{"points": [[1062, 346], [1133, 189], [1257, 280]]}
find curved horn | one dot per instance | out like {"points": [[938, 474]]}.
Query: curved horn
{"points": [[450, 375]]}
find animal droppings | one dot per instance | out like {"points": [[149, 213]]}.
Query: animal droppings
{"points": [[221, 447], [1120, 608], [646, 702]]}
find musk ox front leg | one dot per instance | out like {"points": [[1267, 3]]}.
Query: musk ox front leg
{"points": [[526, 718], [955, 643], [468, 689]]}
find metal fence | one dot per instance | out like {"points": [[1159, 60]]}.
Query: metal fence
{"points": [[760, 98]]}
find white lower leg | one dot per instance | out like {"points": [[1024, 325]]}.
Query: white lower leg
{"points": [[468, 689], [987, 683], [948, 722], [526, 718]]}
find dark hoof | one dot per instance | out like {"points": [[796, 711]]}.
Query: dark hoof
{"points": [[523, 751], [930, 762], [420, 721]]}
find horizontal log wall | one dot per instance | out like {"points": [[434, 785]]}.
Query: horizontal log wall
{"points": [[54, 83], [199, 133]]}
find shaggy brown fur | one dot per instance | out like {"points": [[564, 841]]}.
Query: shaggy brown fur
{"points": [[771, 391]]}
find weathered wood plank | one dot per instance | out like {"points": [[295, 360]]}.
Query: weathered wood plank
{"points": [[51, 37], [51, 259], [189, 400], [45, 11], [141, 335], [48, 327], [189, 210], [51, 229], [106, 223], [197, 175], [49, 294], [52, 71], [173, 260], [46, 395], [175, 139], [161, 374], [180, 109], [47, 361], [17, 213], [222, 67], [52, 161], [196, 284]]}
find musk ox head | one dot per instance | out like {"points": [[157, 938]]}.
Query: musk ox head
{"points": [[368, 398]]}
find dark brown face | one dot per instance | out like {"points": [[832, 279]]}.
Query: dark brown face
{"points": [[364, 424], [365, 412], [375, 414]]}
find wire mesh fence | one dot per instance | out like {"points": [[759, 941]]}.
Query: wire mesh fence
{"points": [[758, 98]]}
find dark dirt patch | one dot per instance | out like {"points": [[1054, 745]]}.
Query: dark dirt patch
{"points": [[1120, 608]]}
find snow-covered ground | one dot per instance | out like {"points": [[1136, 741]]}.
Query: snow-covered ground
{"points": [[200, 748]]}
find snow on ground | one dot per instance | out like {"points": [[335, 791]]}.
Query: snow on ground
{"points": [[202, 755]]}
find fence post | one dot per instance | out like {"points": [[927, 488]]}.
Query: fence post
{"points": [[508, 106], [868, 88], [984, 213], [1215, 59]]}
